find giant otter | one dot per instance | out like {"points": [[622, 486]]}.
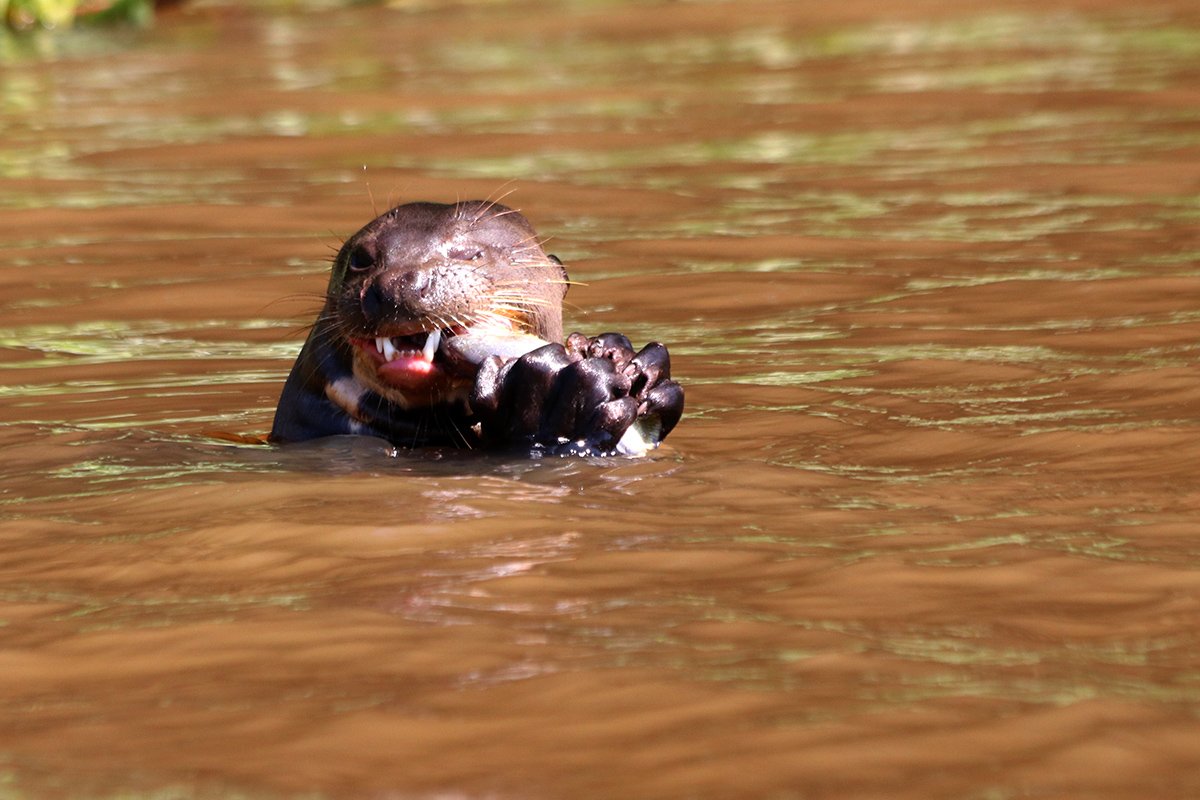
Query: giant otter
{"points": [[422, 341]]}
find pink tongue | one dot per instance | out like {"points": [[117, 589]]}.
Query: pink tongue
{"points": [[406, 372]]}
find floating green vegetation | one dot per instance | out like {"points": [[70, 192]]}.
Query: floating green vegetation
{"points": [[957, 651], [106, 341], [1015, 418], [798, 378], [13, 787], [27, 14], [940, 215], [1000, 354], [1002, 33], [1033, 274], [104, 470], [165, 607]]}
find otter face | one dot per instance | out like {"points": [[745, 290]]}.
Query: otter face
{"points": [[423, 273]]}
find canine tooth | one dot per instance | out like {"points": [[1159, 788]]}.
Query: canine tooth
{"points": [[379, 343], [431, 345], [389, 349]]}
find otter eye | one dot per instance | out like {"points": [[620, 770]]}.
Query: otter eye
{"points": [[359, 260], [465, 253]]}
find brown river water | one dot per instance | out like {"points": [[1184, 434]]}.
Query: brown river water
{"points": [[929, 528]]}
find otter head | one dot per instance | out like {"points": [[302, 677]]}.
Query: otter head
{"points": [[425, 272]]}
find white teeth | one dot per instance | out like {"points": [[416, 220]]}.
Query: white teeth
{"points": [[389, 350], [431, 345]]}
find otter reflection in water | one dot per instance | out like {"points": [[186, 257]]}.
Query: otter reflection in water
{"points": [[442, 326]]}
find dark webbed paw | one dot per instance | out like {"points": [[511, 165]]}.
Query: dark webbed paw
{"points": [[593, 396]]}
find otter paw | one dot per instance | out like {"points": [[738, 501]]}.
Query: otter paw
{"points": [[592, 397]]}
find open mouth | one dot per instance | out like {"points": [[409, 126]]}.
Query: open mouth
{"points": [[440, 358], [410, 361], [422, 346]]}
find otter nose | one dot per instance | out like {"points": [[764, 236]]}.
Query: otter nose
{"points": [[399, 296], [377, 304]]}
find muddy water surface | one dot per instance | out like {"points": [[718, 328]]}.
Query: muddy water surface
{"points": [[929, 528]]}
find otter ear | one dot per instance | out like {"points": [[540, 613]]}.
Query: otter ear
{"points": [[566, 277]]}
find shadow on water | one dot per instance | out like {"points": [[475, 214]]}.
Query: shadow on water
{"points": [[106, 463]]}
